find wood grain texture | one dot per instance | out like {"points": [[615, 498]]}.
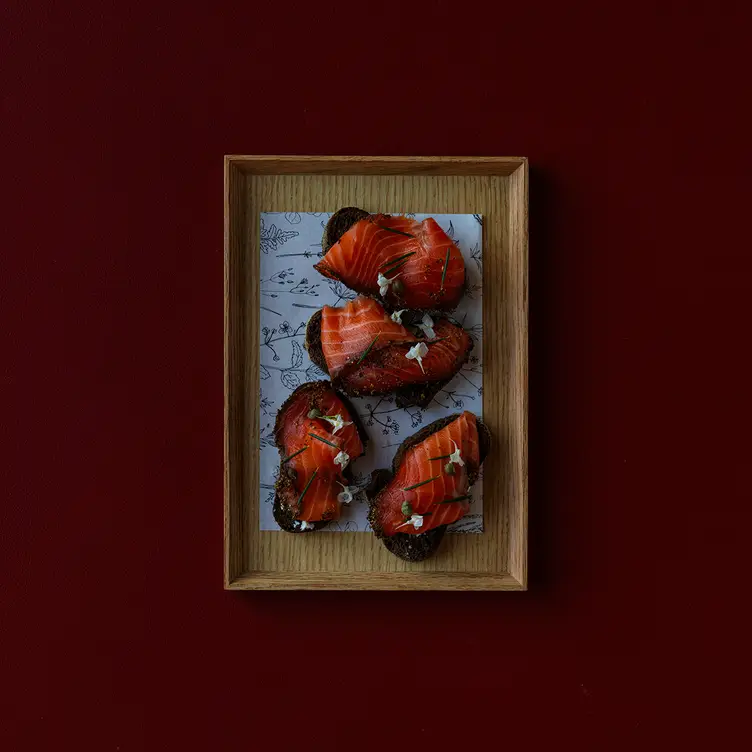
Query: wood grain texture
{"points": [[375, 581], [493, 187], [310, 165]]}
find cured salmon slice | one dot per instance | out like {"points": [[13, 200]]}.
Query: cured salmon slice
{"points": [[360, 326], [314, 430], [389, 368], [431, 485], [366, 352], [408, 264]]}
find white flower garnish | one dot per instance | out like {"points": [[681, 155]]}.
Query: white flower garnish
{"points": [[397, 316], [455, 455], [416, 520], [336, 421], [418, 352], [346, 496], [384, 282], [343, 459], [306, 525], [427, 326]]}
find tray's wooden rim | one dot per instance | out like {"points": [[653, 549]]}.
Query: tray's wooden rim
{"points": [[375, 581], [354, 165], [298, 164]]}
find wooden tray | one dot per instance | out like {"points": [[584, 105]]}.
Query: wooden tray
{"points": [[495, 187]]}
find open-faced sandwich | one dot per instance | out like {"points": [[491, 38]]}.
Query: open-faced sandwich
{"points": [[366, 351], [406, 263], [318, 434], [429, 486]]}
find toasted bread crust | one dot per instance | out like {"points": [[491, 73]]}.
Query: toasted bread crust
{"points": [[313, 342], [339, 223], [417, 547]]}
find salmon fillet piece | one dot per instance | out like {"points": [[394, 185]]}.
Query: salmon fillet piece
{"points": [[424, 267]]}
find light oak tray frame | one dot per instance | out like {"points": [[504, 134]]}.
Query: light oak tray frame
{"points": [[496, 188]]}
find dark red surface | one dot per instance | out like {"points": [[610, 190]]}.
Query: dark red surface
{"points": [[114, 629]]}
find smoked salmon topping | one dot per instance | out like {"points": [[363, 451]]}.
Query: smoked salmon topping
{"points": [[410, 264]]}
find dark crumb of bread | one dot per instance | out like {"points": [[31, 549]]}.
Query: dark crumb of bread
{"points": [[285, 508], [408, 546], [415, 547], [339, 223], [313, 342]]}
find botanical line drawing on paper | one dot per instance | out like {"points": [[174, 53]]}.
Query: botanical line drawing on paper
{"points": [[305, 254], [476, 254], [467, 524], [290, 376], [452, 234], [270, 491], [265, 404], [475, 331], [473, 291], [454, 398], [287, 277], [266, 437], [475, 368], [273, 238], [342, 292], [284, 332], [384, 418]]}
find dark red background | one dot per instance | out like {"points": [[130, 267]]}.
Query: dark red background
{"points": [[115, 632]]}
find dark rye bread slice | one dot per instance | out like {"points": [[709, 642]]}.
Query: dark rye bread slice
{"points": [[284, 514], [412, 394], [421, 546], [339, 223], [312, 342]]}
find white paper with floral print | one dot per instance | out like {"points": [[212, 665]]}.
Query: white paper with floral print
{"points": [[291, 291]]}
